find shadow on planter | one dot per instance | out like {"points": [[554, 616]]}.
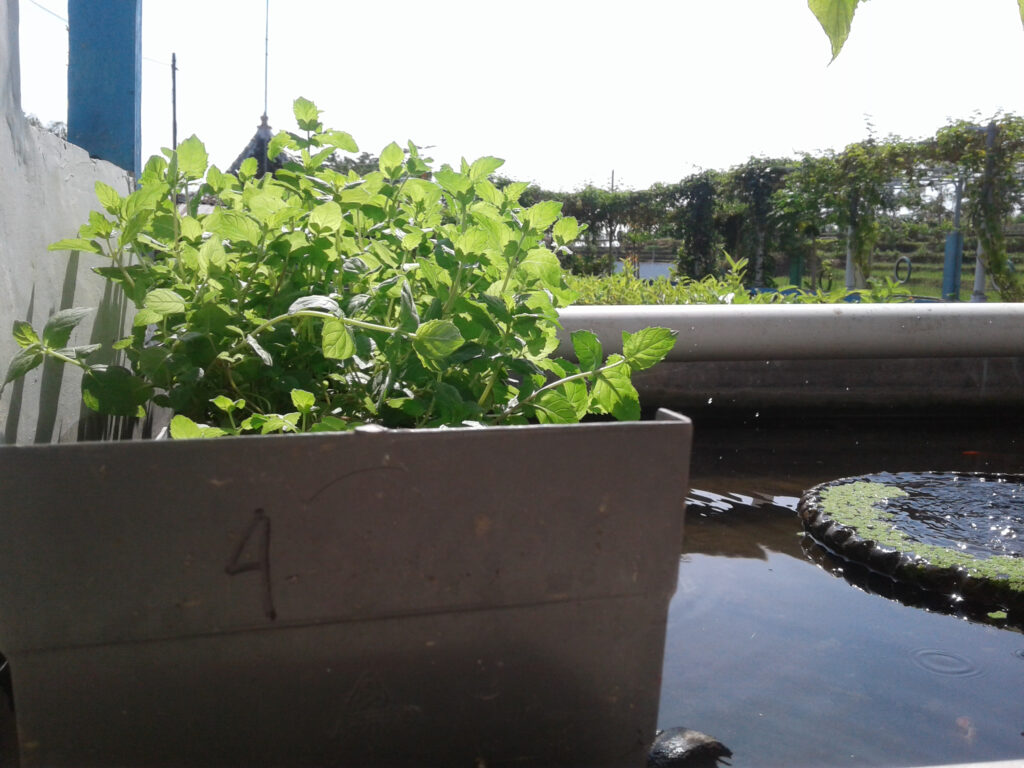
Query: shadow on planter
{"points": [[469, 596]]}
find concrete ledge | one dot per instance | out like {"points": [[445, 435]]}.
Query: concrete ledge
{"points": [[859, 384]]}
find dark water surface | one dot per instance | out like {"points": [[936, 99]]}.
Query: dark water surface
{"points": [[789, 664]]}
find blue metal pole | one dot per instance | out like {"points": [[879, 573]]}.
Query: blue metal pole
{"points": [[105, 80]]}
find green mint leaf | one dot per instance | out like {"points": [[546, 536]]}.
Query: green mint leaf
{"points": [[192, 158], [233, 226], [614, 393], [146, 317], [543, 214], [339, 140], [391, 160], [436, 339], [183, 428], [647, 347], [315, 303], [226, 404], [326, 218], [303, 400], [164, 302], [108, 197], [306, 114], [588, 350], [115, 390], [337, 342], [24, 334], [76, 244], [260, 351], [452, 182], [543, 265], [835, 17], [58, 328], [484, 167], [23, 362], [565, 231], [80, 352], [552, 407], [282, 140]]}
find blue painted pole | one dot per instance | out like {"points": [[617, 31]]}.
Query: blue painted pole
{"points": [[951, 268], [105, 80]]}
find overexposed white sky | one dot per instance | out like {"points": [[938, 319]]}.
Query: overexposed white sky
{"points": [[566, 91]]}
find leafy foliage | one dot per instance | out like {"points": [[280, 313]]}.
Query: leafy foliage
{"points": [[320, 300], [836, 17], [730, 288]]}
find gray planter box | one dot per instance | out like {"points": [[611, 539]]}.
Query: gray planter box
{"points": [[451, 597]]}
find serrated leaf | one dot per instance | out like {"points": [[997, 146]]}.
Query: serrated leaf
{"points": [[146, 317], [226, 404], [306, 114], [336, 340], [76, 244], [544, 265], [543, 214], [303, 400], [836, 17], [192, 158], [588, 350], [164, 302], [339, 140], [452, 182], [437, 339], [391, 160], [232, 226], [108, 197], [24, 334], [81, 351], [260, 351], [647, 347], [183, 428], [23, 362], [58, 327], [614, 393], [115, 390], [565, 230], [281, 141], [315, 303], [553, 407], [326, 217], [484, 167]]}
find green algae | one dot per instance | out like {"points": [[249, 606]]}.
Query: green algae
{"points": [[861, 505]]}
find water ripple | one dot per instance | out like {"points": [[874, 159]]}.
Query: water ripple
{"points": [[944, 663]]}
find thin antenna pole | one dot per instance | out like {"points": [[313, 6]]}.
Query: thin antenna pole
{"points": [[174, 100], [266, 57]]}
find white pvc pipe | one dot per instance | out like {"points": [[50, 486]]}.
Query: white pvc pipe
{"points": [[809, 331]]}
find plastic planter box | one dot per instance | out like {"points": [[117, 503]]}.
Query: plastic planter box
{"points": [[441, 597]]}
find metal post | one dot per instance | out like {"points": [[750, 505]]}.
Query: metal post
{"points": [[851, 274], [105, 80], [978, 294], [174, 101], [953, 265]]}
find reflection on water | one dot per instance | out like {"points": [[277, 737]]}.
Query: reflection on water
{"points": [[789, 665]]}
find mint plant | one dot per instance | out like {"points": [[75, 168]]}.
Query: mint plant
{"points": [[313, 300]]}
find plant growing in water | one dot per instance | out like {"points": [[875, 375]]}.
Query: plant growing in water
{"points": [[316, 300]]}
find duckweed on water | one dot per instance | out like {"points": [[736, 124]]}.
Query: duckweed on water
{"points": [[861, 505]]}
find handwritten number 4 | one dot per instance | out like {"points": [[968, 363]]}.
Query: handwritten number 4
{"points": [[258, 532]]}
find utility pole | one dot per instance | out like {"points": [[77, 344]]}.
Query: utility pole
{"points": [[174, 101], [978, 294]]}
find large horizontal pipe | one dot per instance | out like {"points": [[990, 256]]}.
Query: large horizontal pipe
{"points": [[710, 332]]}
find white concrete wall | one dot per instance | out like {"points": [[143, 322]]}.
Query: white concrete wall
{"points": [[46, 192]]}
